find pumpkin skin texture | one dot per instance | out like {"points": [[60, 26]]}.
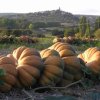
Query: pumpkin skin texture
{"points": [[29, 66], [72, 69], [12, 58], [23, 51], [64, 49], [91, 57], [53, 71], [48, 52], [9, 78]]}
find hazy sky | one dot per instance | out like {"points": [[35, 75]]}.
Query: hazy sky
{"points": [[90, 7]]}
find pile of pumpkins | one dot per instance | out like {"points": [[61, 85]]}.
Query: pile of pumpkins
{"points": [[69, 39], [58, 65]]}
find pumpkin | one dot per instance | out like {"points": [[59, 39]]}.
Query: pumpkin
{"points": [[48, 52], [7, 80], [64, 49], [66, 40], [57, 39], [28, 65], [72, 69], [91, 57], [12, 58], [53, 71]]}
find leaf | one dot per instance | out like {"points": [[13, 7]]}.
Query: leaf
{"points": [[1, 82], [86, 70], [2, 72], [87, 83]]}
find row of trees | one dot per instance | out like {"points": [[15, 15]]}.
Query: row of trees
{"points": [[13, 23], [24, 24], [84, 29], [84, 26]]}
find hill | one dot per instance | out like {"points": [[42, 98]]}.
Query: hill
{"points": [[45, 16], [49, 16]]}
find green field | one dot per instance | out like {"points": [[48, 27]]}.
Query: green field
{"points": [[45, 43]]}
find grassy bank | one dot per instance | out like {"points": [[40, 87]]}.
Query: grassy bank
{"points": [[45, 43]]}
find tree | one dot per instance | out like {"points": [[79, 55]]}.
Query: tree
{"points": [[97, 33], [65, 33], [87, 32], [82, 25], [97, 24], [39, 25], [68, 31], [30, 26], [7, 23], [57, 32], [17, 32], [76, 30]]}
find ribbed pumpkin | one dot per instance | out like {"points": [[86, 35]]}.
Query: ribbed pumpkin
{"points": [[48, 52], [64, 49], [53, 71], [28, 64], [91, 57], [9, 78], [72, 69]]}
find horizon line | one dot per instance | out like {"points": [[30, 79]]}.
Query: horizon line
{"points": [[49, 10]]}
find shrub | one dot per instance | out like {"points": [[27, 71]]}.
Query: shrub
{"points": [[97, 34]]}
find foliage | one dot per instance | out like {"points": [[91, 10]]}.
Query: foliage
{"points": [[57, 32], [97, 24], [87, 32], [78, 35], [2, 72], [68, 31], [76, 29], [21, 39], [82, 25], [5, 32], [30, 26], [39, 25], [7, 23], [65, 33], [97, 34], [15, 32], [43, 42]]}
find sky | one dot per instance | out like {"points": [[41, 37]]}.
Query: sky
{"points": [[87, 7]]}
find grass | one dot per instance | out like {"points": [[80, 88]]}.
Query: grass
{"points": [[45, 43], [42, 44], [82, 47]]}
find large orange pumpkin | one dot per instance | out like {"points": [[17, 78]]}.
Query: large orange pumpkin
{"points": [[28, 64], [53, 71], [91, 57], [64, 49], [72, 69], [9, 78], [48, 52]]}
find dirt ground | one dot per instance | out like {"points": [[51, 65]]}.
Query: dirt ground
{"points": [[75, 92]]}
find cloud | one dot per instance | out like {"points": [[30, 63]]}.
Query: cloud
{"points": [[91, 12]]}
